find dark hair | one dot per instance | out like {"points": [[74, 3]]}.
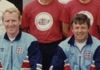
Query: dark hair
{"points": [[81, 19]]}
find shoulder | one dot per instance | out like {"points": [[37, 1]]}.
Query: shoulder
{"points": [[28, 36], [1, 38], [95, 43], [95, 40], [64, 44], [28, 39]]}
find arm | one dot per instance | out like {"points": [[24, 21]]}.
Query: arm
{"points": [[58, 60], [34, 56], [65, 28], [65, 18], [96, 58]]}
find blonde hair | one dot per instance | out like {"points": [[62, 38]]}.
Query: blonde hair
{"points": [[12, 10]]}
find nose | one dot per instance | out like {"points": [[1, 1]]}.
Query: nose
{"points": [[79, 30], [10, 22]]}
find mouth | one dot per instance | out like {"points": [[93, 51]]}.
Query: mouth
{"points": [[79, 34]]}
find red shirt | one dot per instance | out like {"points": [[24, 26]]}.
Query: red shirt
{"points": [[43, 21]]}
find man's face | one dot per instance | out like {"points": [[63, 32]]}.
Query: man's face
{"points": [[80, 31], [85, 1], [11, 22]]}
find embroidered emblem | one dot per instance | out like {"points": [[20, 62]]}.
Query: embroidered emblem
{"points": [[19, 50], [43, 21]]}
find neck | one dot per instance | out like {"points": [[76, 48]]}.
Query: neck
{"points": [[81, 41], [44, 2], [13, 35]]}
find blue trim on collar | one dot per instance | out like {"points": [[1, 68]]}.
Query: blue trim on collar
{"points": [[72, 40], [17, 37]]}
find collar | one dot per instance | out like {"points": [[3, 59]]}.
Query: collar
{"points": [[72, 40], [17, 37]]}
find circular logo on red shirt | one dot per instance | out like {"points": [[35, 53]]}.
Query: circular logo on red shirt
{"points": [[43, 21]]}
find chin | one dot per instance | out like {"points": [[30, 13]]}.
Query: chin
{"points": [[80, 38], [12, 32]]}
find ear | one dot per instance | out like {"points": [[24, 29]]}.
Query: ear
{"points": [[20, 20]]}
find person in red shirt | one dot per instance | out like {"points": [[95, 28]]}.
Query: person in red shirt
{"points": [[41, 18], [89, 8]]}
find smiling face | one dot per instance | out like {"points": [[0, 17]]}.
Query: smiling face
{"points": [[80, 31], [11, 22], [80, 27]]}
